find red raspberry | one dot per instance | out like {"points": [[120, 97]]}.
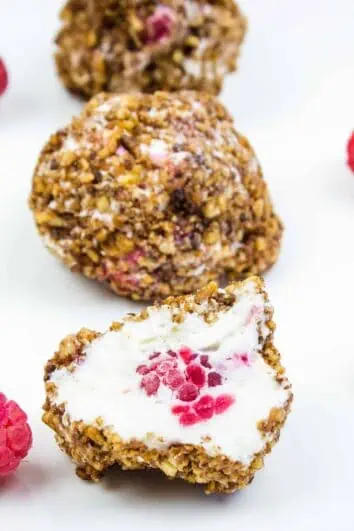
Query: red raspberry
{"points": [[15, 435], [179, 409], [204, 360], [223, 402], [142, 369], [196, 374], [187, 355], [205, 407], [150, 383], [350, 152], [4, 78], [188, 392], [174, 379], [214, 379], [188, 419]]}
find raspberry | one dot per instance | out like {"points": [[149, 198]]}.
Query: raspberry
{"points": [[179, 409], [142, 369], [223, 402], [159, 25], [205, 407], [150, 383], [174, 379], [204, 360], [187, 355], [188, 392], [214, 379], [350, 152], [4, 78], [188, 419], [15, 435], [196, 374]]}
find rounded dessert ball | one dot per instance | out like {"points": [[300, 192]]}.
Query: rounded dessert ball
{"points": [[154, 195], [147, 46]]}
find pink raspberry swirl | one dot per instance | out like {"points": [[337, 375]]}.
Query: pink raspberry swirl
{"points": [[15, 436]]}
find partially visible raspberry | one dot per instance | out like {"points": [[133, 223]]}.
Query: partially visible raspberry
{"points": [[350, 152], [150, 383], [15, 435], [223, 402], [205, 407], [188, 392], [4, 78]]}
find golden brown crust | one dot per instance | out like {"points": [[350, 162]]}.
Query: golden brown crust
{"points": [[102, 46], [95, 448], [148, 224]]}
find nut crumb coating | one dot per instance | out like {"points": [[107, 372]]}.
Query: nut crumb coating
{"points": [[155, 195], [96, 447], [125, 46]]}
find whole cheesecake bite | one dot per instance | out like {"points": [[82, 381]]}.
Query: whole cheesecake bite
{"points": [[135, 45], [193, 387], [155, 195]]}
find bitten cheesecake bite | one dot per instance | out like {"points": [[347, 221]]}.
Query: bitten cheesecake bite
{"points": [[135, 45], [155, 195], [193, 387]]}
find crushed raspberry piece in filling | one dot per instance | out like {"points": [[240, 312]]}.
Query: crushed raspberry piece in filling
{"points": [[205, 407], [188, 419], [174, 379], [188, 392], [142, 369], [186, 373], [196, 374], [179, 409], [159, 25], [214, 379], [150, 383], [186, 355], [223, 402], [204, 360]]}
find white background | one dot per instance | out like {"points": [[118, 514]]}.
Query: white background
{"points": [[294, 98]]}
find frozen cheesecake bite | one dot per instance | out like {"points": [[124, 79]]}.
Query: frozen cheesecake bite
{"points": [[193, 387]]}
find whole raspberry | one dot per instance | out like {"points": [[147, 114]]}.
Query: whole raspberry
{"points": [[4, 78], [15, 435], [350, 152]]}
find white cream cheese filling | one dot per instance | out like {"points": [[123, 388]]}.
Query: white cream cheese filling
{"points": [[107, 385]]}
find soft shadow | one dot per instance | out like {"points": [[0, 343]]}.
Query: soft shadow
{"points": [[153, 486]]}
